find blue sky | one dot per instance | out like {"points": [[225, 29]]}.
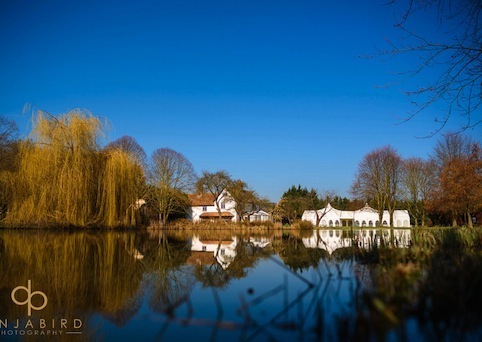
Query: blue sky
{"points": [[275, 92]]}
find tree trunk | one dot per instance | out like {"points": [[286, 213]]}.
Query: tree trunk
{"points": [[469, 220]]}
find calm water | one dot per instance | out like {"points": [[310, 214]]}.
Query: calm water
{"points": [[219, 285]]}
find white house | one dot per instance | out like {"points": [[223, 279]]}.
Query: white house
{"points": [[260, 216], [364, 217], [204, 207]]}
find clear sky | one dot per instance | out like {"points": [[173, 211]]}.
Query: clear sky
{"points": [[275, 92]]}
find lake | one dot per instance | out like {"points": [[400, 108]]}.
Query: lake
{"points": [[214, 285]]}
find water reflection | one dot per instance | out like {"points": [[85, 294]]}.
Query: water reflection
{"points": [[331, 240], [213, 285]]}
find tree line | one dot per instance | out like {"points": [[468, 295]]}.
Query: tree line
{"points": [[444, 189], [61, 175]]}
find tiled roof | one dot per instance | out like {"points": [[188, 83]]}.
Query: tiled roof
{"points": [[201, 199], [214, 242], [201, 258], [215, 214]]}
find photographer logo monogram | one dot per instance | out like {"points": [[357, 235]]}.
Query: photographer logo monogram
{"points": [[30, 295], [40, 326]]}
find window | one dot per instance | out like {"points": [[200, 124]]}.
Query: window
{"points": [[223, 206], [222, 251], [204, 248], [205, 208]]}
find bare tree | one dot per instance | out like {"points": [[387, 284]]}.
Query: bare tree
{"points": [[8, 154], [418, 180], [129, 144], [391, 173], [377, 179], [8, 145], [244, 198], [171, 175], [214, 184], [456, 59], [451, 146], [8, 130]]}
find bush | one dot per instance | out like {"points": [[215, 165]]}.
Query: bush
{"points": [[304, 225]]}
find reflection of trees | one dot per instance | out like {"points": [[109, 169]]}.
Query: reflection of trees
{"points": [[168, 280], [450, 298], [434, 284], [80, 273], [297, 256]]}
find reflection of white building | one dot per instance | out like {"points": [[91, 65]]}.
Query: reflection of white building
{"points": [[364, 217], [259, 241], [333, 239], [224, 251]]}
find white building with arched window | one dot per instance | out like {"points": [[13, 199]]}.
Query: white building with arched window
{"points": [[364, 217]]}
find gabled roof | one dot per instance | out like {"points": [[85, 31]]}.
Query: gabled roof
{"points": [[368, 209], [201, 199], [217, 242], [215, 214]]}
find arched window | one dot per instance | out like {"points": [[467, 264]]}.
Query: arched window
{"points": [[337, 223], [370, 223], [364, 223], [323, 223], [399, 223], [385, 224], [405, 223], [377, 223], [357, 223], [331, 223]]}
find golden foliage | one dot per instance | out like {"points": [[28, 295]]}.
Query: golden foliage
{"points": [[64, 178]]}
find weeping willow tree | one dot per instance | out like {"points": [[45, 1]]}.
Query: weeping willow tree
{"points": [[122, 183], [64, 178]]}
